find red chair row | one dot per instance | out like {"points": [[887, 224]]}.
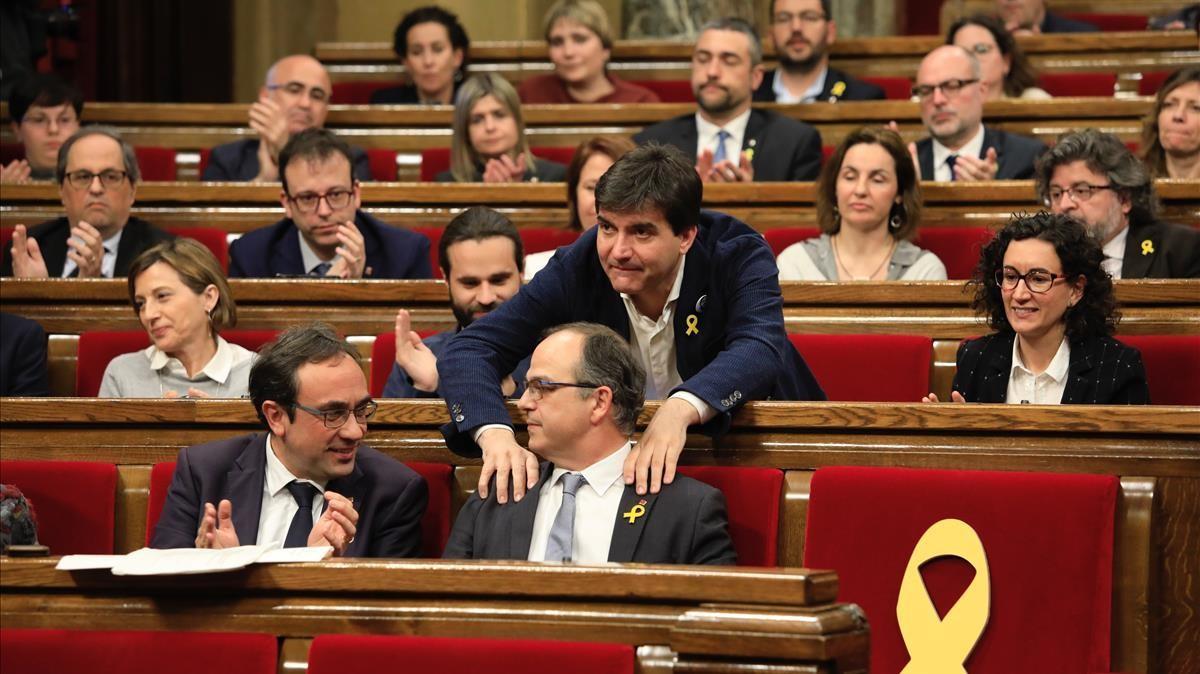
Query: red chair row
{"points": [[382, 161], [155, 163]]}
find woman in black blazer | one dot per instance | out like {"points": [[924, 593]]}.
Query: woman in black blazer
{"points": [[1040, 284]]}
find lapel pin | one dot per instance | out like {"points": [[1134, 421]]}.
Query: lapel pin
{"points": [[1147, 247], [700, 304], [636, 511], [836, 91], [693, 325]]}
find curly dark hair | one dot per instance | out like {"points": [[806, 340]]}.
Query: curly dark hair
{"points": [[433, 14], [1095, 315]]}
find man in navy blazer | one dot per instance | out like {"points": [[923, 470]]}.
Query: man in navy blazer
{"points": [[23, 369], [309, 481], [732, 142], [325, 233], [960, 146], [697, 293]]}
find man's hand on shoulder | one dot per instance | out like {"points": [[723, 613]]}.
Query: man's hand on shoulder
{"points": [[653, 459], [505, 458], [216, 527]]}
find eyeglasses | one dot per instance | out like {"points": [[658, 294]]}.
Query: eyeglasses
{"points": [[298, 89], [44, 120], [1079, 192], [786, 18], [949, 88], [540, 387], [309, 202], [337, 418], [82, 179], [982, 48], [1037, 280]]}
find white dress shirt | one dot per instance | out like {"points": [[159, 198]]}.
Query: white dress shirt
{"points": [[1114, 253], [310, 257], [809, 95], [1040, 389], [108, 264], [278, 506], [941, 171], [596, 505], [706, 135]]}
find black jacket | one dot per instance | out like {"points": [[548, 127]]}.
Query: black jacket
{"points": [[839, 86], [52, 236], [1015, 154], [1161, 250]]}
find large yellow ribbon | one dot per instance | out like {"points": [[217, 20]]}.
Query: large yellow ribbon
{"points": [[941, 646]]}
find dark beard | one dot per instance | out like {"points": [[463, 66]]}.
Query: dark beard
{"points": [[803, 67]]}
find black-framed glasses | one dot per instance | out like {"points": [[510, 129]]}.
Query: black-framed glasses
{"points": [[949, 88], [308, 202], [298, 89], [540, 387], [1078, 192], [786, 18], [337, 418], [82, 179], [981, 48], [1037, 280]]}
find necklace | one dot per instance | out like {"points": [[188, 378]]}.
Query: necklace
{"points": [[838, 258]]}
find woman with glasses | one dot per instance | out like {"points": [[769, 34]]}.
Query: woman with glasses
{"points": [[433, 46], [1007, 71], [1171, 135], [868, 207], [182, 300], [1040, 284]]}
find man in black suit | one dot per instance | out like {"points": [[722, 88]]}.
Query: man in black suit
{"points": [[961, 146], [731, 141], [1030, 17], [1093, 177], [97, 177], [22, 357], [802, 31], [309, 481], [585, 388]]}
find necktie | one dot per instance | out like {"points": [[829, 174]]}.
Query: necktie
{"points": [[719, 154], [321, 269], [302, 521], [950, 162], [562, 534]]}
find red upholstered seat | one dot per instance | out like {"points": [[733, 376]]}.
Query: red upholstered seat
{"points": [[155, 163], [895, 88], [1048, 539], [868, 368], [109, 652], [1111, 23], [1079, 84], [434, 234], [74, 502], [670, 91], [752, 501], [437, 159], [782, 237], [1172, 366], [160, 481], [353, 654], [957, 247], [213, 239], [1151, 82], [383, 356], [538, 239], [97, 348], [383, 164], [357, 93], [205, 154]]}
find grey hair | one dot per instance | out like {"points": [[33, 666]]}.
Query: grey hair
{"points": [[128, 156], [739, 26], [608, 360], [1103, 153]]}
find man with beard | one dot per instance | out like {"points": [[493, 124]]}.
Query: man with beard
{"points": [[803, 30], [731, 141], [481, 256], [295, 97]]}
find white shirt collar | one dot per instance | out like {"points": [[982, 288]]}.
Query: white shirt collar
{"points": [[671, 298], [809, 95], [278, 476], [1114, 253], [217, 368], [308, 255], [941, 153], [1056, 370], [706, 134], [603, 474], [108, 263]]}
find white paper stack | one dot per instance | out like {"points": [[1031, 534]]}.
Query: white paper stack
{"points": [[181, 561]]}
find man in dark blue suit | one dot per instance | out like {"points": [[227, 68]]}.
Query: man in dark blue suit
{"points": [[22, 357], [325, 233], [696, 293]]}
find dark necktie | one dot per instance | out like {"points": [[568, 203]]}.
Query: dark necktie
{"points": [[950, 162], [321, 269], [302, 521]]}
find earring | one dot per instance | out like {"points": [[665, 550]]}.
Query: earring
{"points": [[895, 221]]}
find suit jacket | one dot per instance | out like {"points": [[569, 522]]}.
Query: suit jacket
{"points": [[544, 171], [52, 235], [400, 385], [1173, 251], [1015, 154], [238, 162], [1102, 371], [405, 94], [685, 523], [392, 252], [851, 89], [738, 350], [389, 496], [23, 369], [1053, 23], [784, 149]]}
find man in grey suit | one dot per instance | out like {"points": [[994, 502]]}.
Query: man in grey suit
{"points": [[731, 141], [582, 398]]}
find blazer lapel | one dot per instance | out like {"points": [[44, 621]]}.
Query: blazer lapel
{"points": [[353, 488], [1138, 257], [925, 158], [996, 386], [753, 139], [689, 318], [687, 136], [994, 139], [631, 522], [131, 243], [521, 515], [286, 259], [244, 487], [54, 250], [1078, 379]]}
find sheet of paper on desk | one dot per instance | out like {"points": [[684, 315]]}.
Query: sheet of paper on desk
{"points": [[87, 562], [286, 555], [179, 561]]}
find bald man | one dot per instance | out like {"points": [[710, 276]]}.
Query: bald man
{"points": [[294, 97]]}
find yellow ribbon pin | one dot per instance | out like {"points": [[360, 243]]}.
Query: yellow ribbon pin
{"points": [[941, 646], [838, 89], [635, 512], [1147, 247], [693, 325]]}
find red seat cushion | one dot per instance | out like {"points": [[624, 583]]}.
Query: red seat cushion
{"points": [[782, 237], [437, 159], [108, 652], [353, 654], [868, 368], [74, 502], [958, 248], [383, 356], [1110, 23], [212, 238], [1151, 82], [160, 481], [895, 88], [669, 91], [1172, 367], [752, 501], [1048, 539], [538, 239], [434, 234], [1079, 84], [205, 154], [383, 164], [358, 92], [156, 163]]}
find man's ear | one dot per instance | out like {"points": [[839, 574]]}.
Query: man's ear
{"points": [[276, 416], [602, 405]]}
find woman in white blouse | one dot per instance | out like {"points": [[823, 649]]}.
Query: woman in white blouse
{"points": [[868, 205], [182, 300]]}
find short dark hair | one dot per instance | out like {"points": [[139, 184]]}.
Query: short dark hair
{"points": [[128, 155], [608, 360], [43, 90], [313, 145], [432, 14], [476, 224], [1080, 253], [908, 183], [825, 7], [1103, 153], [1021, 74], [613, 147], [653, 176], [273, 375]]}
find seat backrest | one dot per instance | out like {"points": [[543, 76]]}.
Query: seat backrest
{"points": [[383, 356], [1172, 367], [435, 524], [1102, 85], [212, 238], [669, 91], [434, 160], [357, 92], [74, 502], [156, 163], [1151, 82], [205, 155], [780, 238], [958, 248], [32, 651], [434, 234], [868, 368], [160, 481], [538, 239], [895, 88], [1112, 22], [1048, 540], [354, 654], [752, 501], [383, 164]]}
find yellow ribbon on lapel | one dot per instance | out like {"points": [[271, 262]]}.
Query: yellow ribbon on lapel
{"points": [[1147, 247], [693, 325], [941, 646]]}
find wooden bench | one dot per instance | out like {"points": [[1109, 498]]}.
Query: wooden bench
{"points": [[1155, 451]]}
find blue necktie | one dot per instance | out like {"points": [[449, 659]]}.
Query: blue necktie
{"points": [[562, 534], [302, 521], [321, 269], [950, 162], [719, 154]]}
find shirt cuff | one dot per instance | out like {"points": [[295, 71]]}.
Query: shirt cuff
{"points": [[487, 427], [705, 410]]}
